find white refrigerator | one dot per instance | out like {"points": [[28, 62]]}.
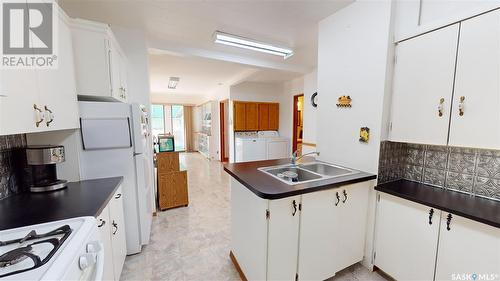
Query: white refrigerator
{"points": [[115, 142]]}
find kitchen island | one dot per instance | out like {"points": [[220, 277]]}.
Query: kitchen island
{"points": [[308, 228]]}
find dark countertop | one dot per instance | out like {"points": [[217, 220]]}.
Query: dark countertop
{"points": [[268, 187], [475, 208], [83, 198]]}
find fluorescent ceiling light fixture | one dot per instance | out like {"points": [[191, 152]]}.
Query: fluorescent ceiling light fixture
{"points": [[245, 43], [172, 82]]}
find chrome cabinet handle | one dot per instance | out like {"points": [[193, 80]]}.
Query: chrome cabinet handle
{"points": [[338, 198], [448, 222], [294, 204], [431, 213], [461, 106], [51, 116], [441, 107], [345, 196], [103, 222], [39, 115], [118, 195], [115, 225]]}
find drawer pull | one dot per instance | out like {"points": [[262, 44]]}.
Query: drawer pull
{"points": [[448, 222], [441, 107], [431, 213], [39, 116], [103, 222], [118, 195], [338, 198], [51, 116], [345, 196], [115, 225], [294, 204]]}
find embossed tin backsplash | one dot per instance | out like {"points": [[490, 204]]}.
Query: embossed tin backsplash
{"points": [[12, 164], [469, 170]]}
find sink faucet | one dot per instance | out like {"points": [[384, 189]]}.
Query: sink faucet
{"points": [[295, 158]]}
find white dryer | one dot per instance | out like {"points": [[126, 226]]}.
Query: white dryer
{"points": [[277, 147]]}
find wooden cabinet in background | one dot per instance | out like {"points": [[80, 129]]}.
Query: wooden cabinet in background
{"points": [[274, 116], [172, 183], [255, 116], [239, 116], [252, 116], [263, 116]]}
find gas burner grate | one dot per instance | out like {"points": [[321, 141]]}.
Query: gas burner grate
{"points": [[19, 254]]}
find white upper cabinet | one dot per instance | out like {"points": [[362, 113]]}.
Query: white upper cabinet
{"points": [[467, 247], [475, 116], [406, 238], [36, 100], [98, 62], [414, 17], [423, 86]]}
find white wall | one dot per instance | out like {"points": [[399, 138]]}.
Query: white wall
{"points": [[164, 98], [353, 54], [307, 85]]}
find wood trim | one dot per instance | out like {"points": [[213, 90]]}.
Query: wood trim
{"points": [[309, 144], [295, 121], [237, 266], [222, 133]]}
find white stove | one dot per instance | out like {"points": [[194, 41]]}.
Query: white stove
{"points": [[61, 250]]}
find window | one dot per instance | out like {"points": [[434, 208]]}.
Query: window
{"points": [[169, 119]]}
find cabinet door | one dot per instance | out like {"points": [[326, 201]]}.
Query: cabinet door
{"points": [[58, 86], [274, 116], [467, 247], [239, 116], [18, 97], [423, 77], [118, 240], [91, 62], [351, 224], [114, 70], [406, 243], [123, 76], [317, 235], [104, 227], [252, 116], [263, 116], [283, 238], [478, 82]]}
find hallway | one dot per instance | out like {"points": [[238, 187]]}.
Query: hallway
{"points": [[193, 243], [190, 243]]}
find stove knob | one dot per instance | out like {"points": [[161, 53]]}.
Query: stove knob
{"points": [[93, 247], [87, 260]]}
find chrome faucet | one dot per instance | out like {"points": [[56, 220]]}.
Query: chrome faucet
{"points": [[295, 158]]}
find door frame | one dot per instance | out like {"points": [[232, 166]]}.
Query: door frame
{"points": [[222, 128], [295, 111]]}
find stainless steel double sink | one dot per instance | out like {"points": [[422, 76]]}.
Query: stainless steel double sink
{"points": [[306, 172]]}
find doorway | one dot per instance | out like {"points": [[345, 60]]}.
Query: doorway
{"points": [[169, 119], [224, 130], [298, 123]]}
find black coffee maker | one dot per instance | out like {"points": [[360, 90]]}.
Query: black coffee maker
{"points": [[42, 160]]}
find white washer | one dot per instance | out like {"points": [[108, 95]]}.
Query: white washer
{"points": [[249, 147], [277, 147]]}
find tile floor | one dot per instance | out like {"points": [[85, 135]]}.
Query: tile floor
{"points": [[192, 243]]}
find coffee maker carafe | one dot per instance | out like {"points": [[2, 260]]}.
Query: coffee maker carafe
{"points": [[43, 160]]}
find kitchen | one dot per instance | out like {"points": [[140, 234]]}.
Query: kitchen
{"points": [[400, 123]]}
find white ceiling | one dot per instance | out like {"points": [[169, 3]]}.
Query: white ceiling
{"points": [[187, 26], [197, 75]]}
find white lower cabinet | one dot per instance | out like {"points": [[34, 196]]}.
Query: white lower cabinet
{"points": [[467, 247], [413, 244], [406, 242], [305, 237], [112, 231], [104, 224], [118, 240]]}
